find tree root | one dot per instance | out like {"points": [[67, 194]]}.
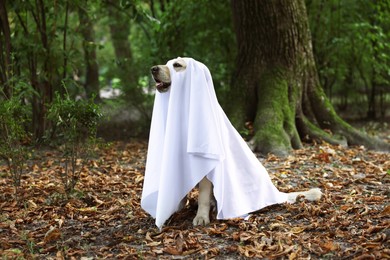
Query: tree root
{"points": [[343, 134], [309, 131], [355, 137]]}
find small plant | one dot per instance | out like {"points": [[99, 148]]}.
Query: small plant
{"points": [[75, 124], [13, 116]]}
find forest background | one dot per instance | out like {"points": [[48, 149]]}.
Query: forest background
{"points": [[72, 71], [84, 49]]}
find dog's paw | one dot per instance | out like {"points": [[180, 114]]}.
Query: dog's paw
{"points": [[201, 220]]}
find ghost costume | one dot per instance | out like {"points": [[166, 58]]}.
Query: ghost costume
{"points": [[190, 138]]}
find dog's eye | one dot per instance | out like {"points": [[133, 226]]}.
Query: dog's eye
{"points": [[177, 65]]}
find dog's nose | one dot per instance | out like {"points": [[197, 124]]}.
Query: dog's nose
{"points": [[154, 69]]}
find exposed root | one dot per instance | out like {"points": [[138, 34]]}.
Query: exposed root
{"points": [[309, 131], [344, 135], [355, 137]]}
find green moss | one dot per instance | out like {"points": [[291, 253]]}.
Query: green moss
{"points": [[274, 123], [326, 114]]}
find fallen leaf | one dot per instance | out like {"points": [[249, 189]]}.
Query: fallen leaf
{"points": [[385, 212], [52, 235], [297, 230], [171, 251]]}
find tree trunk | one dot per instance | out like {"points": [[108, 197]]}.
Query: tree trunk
{"points": [[275, 84], [41, 82], [371, 112], [5, 52], [92, 69], [119, 31]]}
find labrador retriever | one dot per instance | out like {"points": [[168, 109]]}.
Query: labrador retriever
{"points": [[162, 77]]}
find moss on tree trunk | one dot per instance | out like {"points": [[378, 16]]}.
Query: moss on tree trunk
{"points": [[275, 118], [276, 85]]}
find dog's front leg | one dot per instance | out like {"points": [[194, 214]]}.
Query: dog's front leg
{"points": [[205, 193]]}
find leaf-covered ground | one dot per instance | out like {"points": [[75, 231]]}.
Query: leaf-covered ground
{"points": [[103, 219]]}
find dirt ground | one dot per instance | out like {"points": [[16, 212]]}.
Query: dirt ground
{"points": [[102, 218]]}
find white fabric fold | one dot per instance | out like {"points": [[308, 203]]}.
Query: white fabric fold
{"points": [[190, 138]]}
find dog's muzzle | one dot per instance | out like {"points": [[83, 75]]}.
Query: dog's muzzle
{"points": [[160, 85]]}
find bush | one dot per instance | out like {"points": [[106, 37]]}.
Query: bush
{"points": [[75, 126], [13, 116]]}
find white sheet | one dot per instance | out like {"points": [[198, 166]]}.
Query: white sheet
{"points": [[190, 138]]}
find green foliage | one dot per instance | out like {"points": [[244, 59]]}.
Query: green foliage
{"points": [[199, 29], [13, 116], [351, 41], [75, 120], [76, 125]]}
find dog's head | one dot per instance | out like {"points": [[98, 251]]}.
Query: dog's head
{"points": [[162, 75]]}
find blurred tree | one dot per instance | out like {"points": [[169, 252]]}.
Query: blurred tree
{"points": [[38, 33], [119, 24], [5, 51], [63, 45], [351, 43], [276, 85], [379, 37], [39, 53], [89, 46], [199, 29]]}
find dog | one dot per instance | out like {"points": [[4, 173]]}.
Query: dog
{"points": [[162, 78]]}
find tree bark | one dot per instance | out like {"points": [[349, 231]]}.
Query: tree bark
{"points": [[275, 84], [92, 68], [119, 31], [42, 84], [5, 51]]}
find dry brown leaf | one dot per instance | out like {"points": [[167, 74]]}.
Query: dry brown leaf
{"points": [[52, 234], [171, 250], [274, 226], [97, 222], [283, 251], [60, 255], [297, 230], [330, 246], [385, 212], [154, 243]]}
